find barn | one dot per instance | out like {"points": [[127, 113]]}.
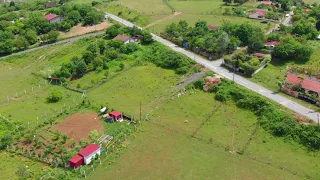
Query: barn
{"points": [[85, 156]]}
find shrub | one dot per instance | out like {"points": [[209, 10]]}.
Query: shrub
{"points": [[54, 96]]}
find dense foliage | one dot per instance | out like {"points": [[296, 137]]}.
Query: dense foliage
{"points": [[271, 118]]}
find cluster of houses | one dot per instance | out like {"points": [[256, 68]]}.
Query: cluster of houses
{"points": [[261, 13], [306, 88]]}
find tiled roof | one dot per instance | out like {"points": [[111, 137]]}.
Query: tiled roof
{"points": [[122, 37], [50, 16], [308, 84]]}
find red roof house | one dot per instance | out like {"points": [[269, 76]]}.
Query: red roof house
{"points": [[116, 115], [85, 155], [266, 3], [76, 161], [272, 44], [258, 55], [306, 83], [211, 27], [124, 38], [52, 18]]}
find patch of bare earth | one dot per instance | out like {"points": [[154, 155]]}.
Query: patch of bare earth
{"points": [[163, 19], [79, 126], [81, 30]]}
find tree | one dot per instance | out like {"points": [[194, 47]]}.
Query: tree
{"points": [[88, 56], [74, 16], [112, 32], [53, 36], [21, 43], [23, 173], [97, 62], [38, 22], [227, 2], [146, 37], [80, 67], [93, 48], [318, 25], [6, 47], [54, 96], [284, 6], [240, 1], [305, 28], [5, 140], [94, 135], [129, 48], [12, 3], [31, 36]]}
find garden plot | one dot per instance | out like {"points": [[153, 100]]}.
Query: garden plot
{"points": [[79, 126]]}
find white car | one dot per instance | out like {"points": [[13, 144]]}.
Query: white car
{"points": [[287, 15]]}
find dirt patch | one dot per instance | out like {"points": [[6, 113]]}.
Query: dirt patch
{"points": [[81, 30], [79, 126]]}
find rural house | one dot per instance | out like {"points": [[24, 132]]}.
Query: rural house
{"points": [[51, 4], [212, 28], [126, 39], [269, 3], [259, 14], [272, 44], [53, 18], [85, 156], [259, 55]]}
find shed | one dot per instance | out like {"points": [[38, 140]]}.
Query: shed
{"points": [[272, 44], [212, 28], [259, 55], [51, 4], [267, 3], [76, 161], [90, 152], [124, 38], [116, 116], [52, 18]]}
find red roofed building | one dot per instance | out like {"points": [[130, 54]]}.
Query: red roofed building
{"points": [[306, 83], [213, 28], [116, 116], [258, 55], [266, 3], [258, 15], [52, 18], [272, 44], [85, 155], [76, 161], [124, 38]]}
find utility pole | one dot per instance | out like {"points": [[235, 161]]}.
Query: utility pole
{"points": [[140, 110]]}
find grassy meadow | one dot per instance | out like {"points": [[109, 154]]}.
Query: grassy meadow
{"points": [[165, 148]]}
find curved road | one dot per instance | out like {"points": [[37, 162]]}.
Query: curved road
{"points": [[70, 40], [216, 67]]}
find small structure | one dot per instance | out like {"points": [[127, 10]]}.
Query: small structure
{"points": [[52, 18], [51, 4], [259, 14], [116, 116], [269, 3], [259, 55], [124, 38], [103, 110], [210, 81], [212, 28], [85, 156], [272, 44]]}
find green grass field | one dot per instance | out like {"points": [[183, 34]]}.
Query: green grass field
{"points": [[166, 149]]}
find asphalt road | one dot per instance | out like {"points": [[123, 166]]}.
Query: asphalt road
{"points": [[70, 40], [216, 67]]}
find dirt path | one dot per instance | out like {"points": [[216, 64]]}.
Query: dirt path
{"points": [[163, 19], [81, 30]]}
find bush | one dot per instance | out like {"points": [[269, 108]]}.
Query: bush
{"points": [[54, 96]]}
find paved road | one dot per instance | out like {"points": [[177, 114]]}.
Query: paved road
{"points": [[70, 40], [216, 67]]}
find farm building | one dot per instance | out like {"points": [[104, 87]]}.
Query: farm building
{"points": [[258, 15], [272, 44], [52, 18], [212, 28], [116, 116], [85, 156], [309, 85], [259, 55], [126, 39]]}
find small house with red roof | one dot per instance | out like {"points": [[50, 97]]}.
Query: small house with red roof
{"points": [[53, 18], [85, 156], [272, 44], [269, 3], [212, 28], [116, 116], [126, 39], [259, 14], [259, 55]]}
